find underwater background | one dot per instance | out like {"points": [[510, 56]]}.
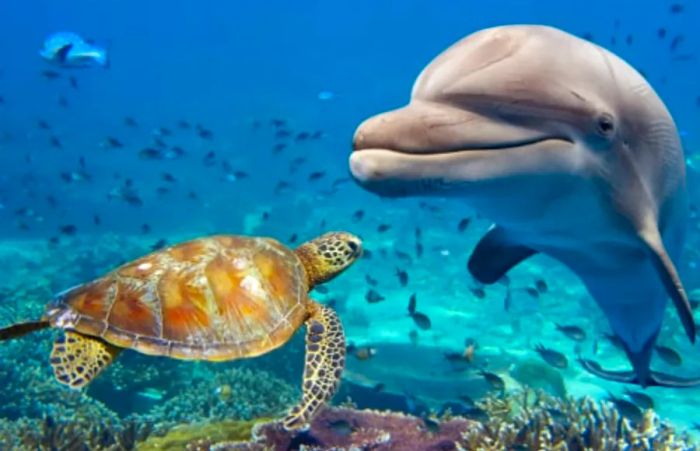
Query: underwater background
{"points": [[254, 105]]}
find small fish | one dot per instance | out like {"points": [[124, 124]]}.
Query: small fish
{"points": [[419, 250], [282, 134], [314, 176], [573, 332], [641, 399], [341, 428], [412, 304], [293, 238], [96, 220], [183, 125], [463, 224], [73, 82], [627, 409], [145, 229], [277, 123], [149, 153], [302, 136], [532, 292], [541, 286], [111, 142], [494, 380], [160, 244], [68, 229], [676, 42], [402, 276], [661, 33], [676, 8], [508, 299], [321, 289], [669, 355], [431, 425], [403, 255], [50, 74], [281, 186], [130, 122], [370, 280], [168, 177], [362, 352], [42, 124], [55, 142], [479, 292], [372, 296], [552, 357], [151, 393], [358, 215], [381, 228], [279, 147], [421, 320]]}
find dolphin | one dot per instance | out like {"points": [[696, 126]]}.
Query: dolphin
{"points": [[569, 151]]}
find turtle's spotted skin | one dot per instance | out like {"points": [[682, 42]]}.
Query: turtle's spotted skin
{"points": [[216, 298]]}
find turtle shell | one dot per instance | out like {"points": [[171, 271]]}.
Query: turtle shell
{"points": [[215, 298]]}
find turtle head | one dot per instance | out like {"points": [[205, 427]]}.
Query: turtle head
{"points": [[328, 255]]}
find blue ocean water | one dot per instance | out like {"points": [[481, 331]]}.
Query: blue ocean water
{"points": [[281, 87]]}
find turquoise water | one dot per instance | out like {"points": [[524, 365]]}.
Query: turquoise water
{"points": [[282, 86]]}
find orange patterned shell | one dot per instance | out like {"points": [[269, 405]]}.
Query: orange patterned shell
{"points": [[216, 298]]}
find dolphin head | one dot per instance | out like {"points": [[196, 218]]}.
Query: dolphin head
{"points": [[562, 144], [515, 110]]}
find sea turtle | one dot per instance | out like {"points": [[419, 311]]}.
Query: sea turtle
{"points": [[217, 298]]}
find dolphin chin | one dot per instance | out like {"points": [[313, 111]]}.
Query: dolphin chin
{"points": [[568, 150]]}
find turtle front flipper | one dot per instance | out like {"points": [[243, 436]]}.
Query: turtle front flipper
{"points": [[76, 359], [324, 363]]}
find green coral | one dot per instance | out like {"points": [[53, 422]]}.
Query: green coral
{"points": [[179, 437]]}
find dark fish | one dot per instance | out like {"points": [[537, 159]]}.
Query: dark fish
{"points": [[366, 253], [573, 332], [419, 250], [68, 229], [588, 36], [494, 380], [669, 355], [302, 136], [508, 299], [168, 177], [661, 33], [552, 357], [412, 304], [476, 414], [55, 142], [321, 289], [149, 153], [163, 131], [479, 292], [541, 286], [533, 292], [209, 158], [42, 124], [73, 82], [341, 428], [281, 134], [318, 134], [277, 123], [183, 125], [629, 39], [383, 228], [279, 147], [372, 296], [316, 175], [421, 320], [293, 238], [676, 42], [431, 425], [463, 224], [676, 8], [403, 277], [403, 255], [50, 74], [160, 244], [627, 409], [370, 281], [96, 220], [112, 143], [192, 195], [281, 186], [641, 399], [204, 133], [145, 228], [2, 100], [130, 122], [358, 215]]}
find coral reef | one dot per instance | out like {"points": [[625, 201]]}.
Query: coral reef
{"points": [[200, 435], [526, 420]]}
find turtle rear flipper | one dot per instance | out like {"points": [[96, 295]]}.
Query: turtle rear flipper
{"points": [[76, 359], [324, 363], [21, 329]]}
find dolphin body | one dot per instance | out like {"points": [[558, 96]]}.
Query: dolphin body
{"points": [[67, 49], [569, 151]]}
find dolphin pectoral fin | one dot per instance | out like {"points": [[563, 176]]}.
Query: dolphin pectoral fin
{"points": [[593, 367], [495, 255], [62, 53], [669, 276]]}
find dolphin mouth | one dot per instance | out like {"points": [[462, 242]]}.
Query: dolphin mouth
{"points": [[396, 172]]}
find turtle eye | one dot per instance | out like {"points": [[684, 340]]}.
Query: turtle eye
{"points": [[605, 124], [353, 246]]}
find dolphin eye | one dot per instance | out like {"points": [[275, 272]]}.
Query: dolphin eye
{"points": [[605, 124]]}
